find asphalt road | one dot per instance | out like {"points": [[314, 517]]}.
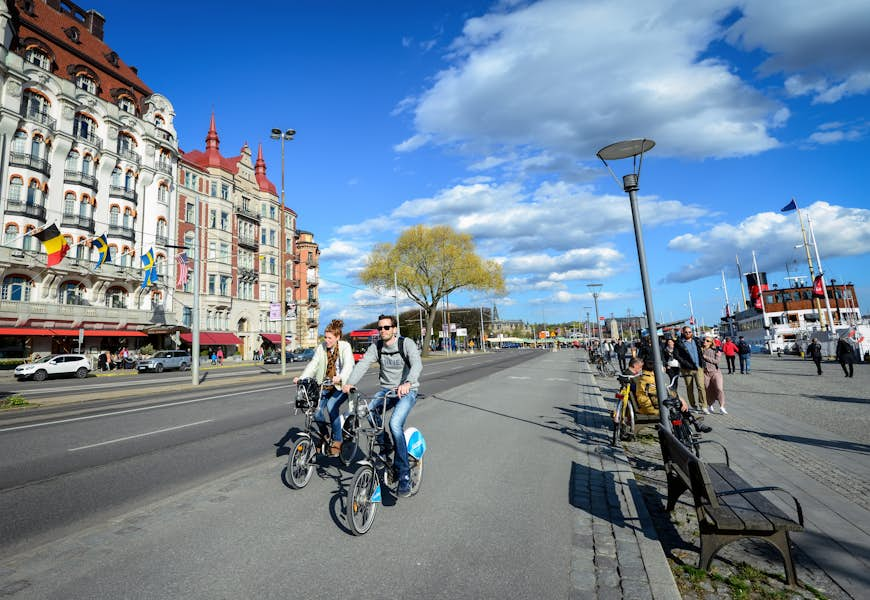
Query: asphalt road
{"points": [[72, 465]]}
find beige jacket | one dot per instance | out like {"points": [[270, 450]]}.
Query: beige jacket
{"points": [[316, 369]]}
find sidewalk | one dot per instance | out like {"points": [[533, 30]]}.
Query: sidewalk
{"points": [[617, 553]]}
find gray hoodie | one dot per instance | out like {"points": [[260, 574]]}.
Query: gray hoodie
{"points": [[394, 371]]}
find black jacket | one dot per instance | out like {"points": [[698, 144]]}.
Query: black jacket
{"points": [[682, 355], [845, 353], [815, 351]]}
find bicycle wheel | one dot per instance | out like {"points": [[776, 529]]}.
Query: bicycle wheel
{"points": [[300, 465], [609, 370], [363, 500], [617, 423], [683, 432], [349, 441], [416, 475]]}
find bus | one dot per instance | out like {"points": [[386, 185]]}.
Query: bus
{"points": [[360, 340]]}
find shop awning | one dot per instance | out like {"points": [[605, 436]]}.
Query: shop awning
{"points": [[275, 338], [70, 332], [215, 338]]}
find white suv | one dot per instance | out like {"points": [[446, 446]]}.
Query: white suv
{"points": [[55, 364]]}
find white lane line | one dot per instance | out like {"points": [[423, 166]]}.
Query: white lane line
{"points": [[140, 409], [138, 435]]}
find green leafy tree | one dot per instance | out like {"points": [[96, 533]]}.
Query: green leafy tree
{"points": [[429, 263]]}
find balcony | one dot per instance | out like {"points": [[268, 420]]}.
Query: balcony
{"points": [[129, 155], [248, 214], [116, 191], [79, 178], [28, 161], [88, 137], [37, 116], [17, 207], [164, 167], [122, 232], [312, 261], [311, 280], [249, 242], [313, 303], [161, 240], [79, 221], [312, 322], [123, 317], [249, 275]]}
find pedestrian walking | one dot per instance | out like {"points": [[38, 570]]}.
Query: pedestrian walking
{"points": [[744, 354], [713, 381], [815, 352], [621, 351], [213, 357], [687, 351], [846, 356], [729, 349], [220, 356], [672, 365]]}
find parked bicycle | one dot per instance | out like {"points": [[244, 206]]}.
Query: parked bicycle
{"points": [[604, 366], [623, 416], [312, 439], [364, 494]]}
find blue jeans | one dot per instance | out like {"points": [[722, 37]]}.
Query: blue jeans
{"points": [[332, 403], [744, 363], [401, 408]]}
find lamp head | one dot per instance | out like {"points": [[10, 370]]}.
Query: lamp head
{"points": [[276, 134]]}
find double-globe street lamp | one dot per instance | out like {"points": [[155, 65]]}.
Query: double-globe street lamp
{"points": [[630, 184], [286, 135], [595, 288]]}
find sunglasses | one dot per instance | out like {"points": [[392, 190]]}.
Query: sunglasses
{"points": [[384, 327]]}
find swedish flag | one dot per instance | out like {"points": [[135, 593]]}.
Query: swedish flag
{"points": [[149, 267], [102, 245]]}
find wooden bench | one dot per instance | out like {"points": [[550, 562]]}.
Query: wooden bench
{"points": [[728, 508]]}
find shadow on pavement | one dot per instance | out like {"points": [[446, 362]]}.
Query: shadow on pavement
{"points": [[832, 444]]}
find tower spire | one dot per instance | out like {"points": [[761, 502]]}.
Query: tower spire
{"points": [[212, 141], [260, 165]]}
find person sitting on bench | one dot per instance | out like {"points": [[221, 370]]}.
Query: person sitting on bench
{"points": [[644, 390]]}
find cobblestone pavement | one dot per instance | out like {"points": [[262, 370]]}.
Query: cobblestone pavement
{"points": [[786, 426]]}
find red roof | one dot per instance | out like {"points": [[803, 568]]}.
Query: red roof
{"points": [[49, 25]]}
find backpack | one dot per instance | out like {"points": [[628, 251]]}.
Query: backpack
{"points": [[401, 351], [743, 348]]}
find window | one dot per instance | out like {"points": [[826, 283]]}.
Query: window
{"points": [[126, 104], [116, 177], [15, 185], [188, 212], [114, 213], [85, 207], [71, 292], [30, 242], [225, 221], [213, 187], [225, 191], [84, 127], [212, 219], [34, 194], [37, 57], [87, 165], [271, 212], [263, 235], [187, 316], [36, 146], [163, 194], [19, 142], [211, 282], [86, 83], [128, 218], [159, 121], [271, 237], [129, 181], [69, 203], [125, 143], [162, 228], [10, 235], [272, 263], [225, 253], [160, 262], [16, 288], [126, 256], [36, 106], [212, 250], [226, 280]]}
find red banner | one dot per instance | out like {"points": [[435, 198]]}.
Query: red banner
{"points": [[818, 287]]}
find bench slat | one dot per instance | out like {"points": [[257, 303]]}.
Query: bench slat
{"points": [[728, 480]]}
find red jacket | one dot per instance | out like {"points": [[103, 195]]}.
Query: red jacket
{"points": [[729, 348]]}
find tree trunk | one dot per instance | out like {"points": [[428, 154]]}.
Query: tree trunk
{"points": [[430, 320]]}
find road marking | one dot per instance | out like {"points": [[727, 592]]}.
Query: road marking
{"points": [[138, 435], [517, 377], [140, 409], [557, 379]]}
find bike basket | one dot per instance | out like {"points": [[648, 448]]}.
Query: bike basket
{"points": [[415, 442], [307, 394], [357, 405]]}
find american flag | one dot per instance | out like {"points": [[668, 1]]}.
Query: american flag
{"points": [[183, 268]]}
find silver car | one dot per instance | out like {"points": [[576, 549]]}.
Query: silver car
{"points": [[165, 359], [55, 364]]}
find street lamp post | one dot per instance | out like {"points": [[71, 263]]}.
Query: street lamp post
{"points": [[287, 135], [630, 184], [595, 288]]}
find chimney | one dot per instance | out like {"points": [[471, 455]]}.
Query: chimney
{"points": [[94, 21]]}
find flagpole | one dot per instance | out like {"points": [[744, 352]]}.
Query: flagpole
{"points": [[760, 294], [727, 304], [809, 262], [821, 274], [740, 281]]}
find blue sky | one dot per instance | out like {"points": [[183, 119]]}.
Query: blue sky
{"points": [[487, 115]]}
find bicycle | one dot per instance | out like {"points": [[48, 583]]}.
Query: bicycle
{"points": [[304, 449], [604, 366], [680, 425], [623, 416], [365, 487]]}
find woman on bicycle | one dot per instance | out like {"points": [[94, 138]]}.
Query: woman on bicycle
{"points": [[333, 360]]}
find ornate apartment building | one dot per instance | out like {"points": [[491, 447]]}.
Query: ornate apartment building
{"points": [[87, 147]]}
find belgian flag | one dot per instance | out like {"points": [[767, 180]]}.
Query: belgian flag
{"points": [[55, 244]]}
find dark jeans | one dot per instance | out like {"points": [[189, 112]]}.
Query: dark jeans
{"points": [[744, 363], [818, 362], [731, 360], [622, 363], [402, 406], [850, 371]]}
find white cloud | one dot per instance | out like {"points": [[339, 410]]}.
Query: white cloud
{"points": [[839, 230], [570, 77], [821, 47], [412, 143]]}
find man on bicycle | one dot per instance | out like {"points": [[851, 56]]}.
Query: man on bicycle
{"points": [[400, 368], [644, 390]]}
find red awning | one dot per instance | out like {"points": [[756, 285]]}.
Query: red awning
{"points": [[70, 332], [275, 338], [216, 338]]}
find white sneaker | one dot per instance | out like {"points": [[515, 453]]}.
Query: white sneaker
{"points": [[706, 411], [723, 411]]}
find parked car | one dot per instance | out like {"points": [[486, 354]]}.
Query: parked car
{"points": [[55, 364], [275, 358], [302, 355], [165, 359]]}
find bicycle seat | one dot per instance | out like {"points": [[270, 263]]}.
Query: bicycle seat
{"points": [[626, 379]]}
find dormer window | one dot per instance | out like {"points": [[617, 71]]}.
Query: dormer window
{"points": [[112, 57], [72, 33], [126, 104], [86, 83], [36, 56], [159, 121]]}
